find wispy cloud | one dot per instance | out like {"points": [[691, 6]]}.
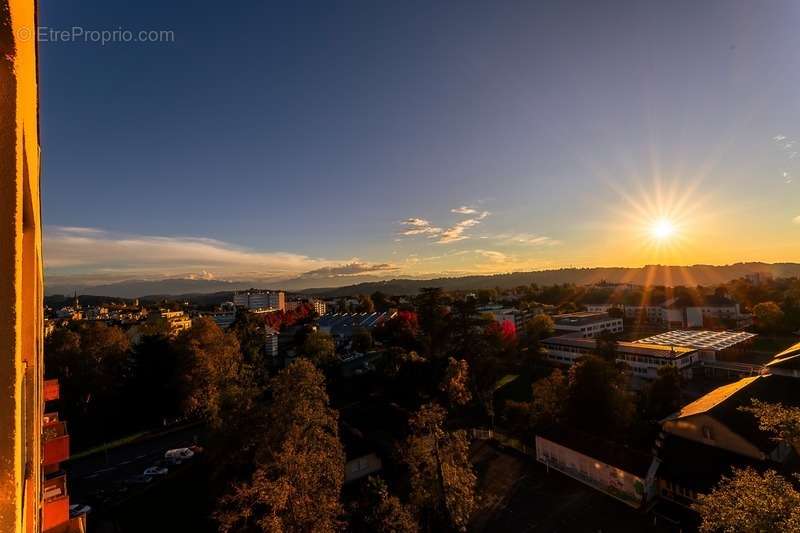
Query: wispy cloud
{"points": [[464, 210], [796, 219], [458, 231], [353, 268], [527, 239], [419, 226]]}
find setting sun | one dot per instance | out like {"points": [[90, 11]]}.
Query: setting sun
{"points": [[662, 229]]}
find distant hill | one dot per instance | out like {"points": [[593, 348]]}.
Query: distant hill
{"points": [[648, 275]]}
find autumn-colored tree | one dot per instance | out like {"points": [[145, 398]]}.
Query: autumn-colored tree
{"points": [[456, 382], [299, 462], [442, 479], [538, 328], [399, 331], [320, 348], [783, 422], [379, 510], [549, 398], [750, 501], [517, 417], [210, 363], [768, 316]]}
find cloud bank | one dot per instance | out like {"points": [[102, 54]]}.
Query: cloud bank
{"points": [[91, 255]]}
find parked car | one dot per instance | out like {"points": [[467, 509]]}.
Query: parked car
{"points": [[178, 455], [156, 471], [78, 509]]}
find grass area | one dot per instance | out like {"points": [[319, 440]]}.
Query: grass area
{"points": [[109, 445]]}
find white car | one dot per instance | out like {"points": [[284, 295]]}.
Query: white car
{"points": [[178, 455], [156, 471], [78, 509]]}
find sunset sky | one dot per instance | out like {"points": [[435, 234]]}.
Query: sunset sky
{"points": [[418, 138]]}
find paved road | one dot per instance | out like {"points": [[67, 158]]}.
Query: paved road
{"points": [[98, 479]]}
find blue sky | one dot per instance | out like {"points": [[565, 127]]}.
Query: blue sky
{"points": [[272, 139]]}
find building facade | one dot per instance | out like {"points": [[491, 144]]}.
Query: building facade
{"points": [[24, 458], [644, 360], [258, 299], [587, 324]]}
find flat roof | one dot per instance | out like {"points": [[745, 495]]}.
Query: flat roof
{"points": [[700, 339], [639, 348], [582, 318]]}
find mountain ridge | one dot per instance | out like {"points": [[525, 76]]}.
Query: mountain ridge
{"points": [[647, 275]]}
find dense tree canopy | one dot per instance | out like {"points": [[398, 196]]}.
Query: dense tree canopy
{"points": [[299, 462], [210, 365], [379, 510], [442, 479], [750, 501], [598, 400], [320, 348]]}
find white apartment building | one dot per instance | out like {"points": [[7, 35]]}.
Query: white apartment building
{"points": [[258, 299]]}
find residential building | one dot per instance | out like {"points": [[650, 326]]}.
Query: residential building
{"points": [[711, 435], [644, 359], [25, 454], [225, 316], [715, 418], [518, 317], [587, 324], [69, 313], [178, 321], [758, 278], [96, 313], [260, 299], [271, 343], [319, 306]]}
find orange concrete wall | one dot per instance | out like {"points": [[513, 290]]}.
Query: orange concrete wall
{"points": [[20, 272]]}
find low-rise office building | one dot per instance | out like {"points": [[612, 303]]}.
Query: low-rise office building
{"points": [[713, 345], [681, 312], [587, 324], [643, 359]]}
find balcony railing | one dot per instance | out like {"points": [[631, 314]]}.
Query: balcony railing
{"points": [[55, 508], [55, 443], [51, 390]]}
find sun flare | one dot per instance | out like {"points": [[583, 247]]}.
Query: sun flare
{"points": [[662, 229]]}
